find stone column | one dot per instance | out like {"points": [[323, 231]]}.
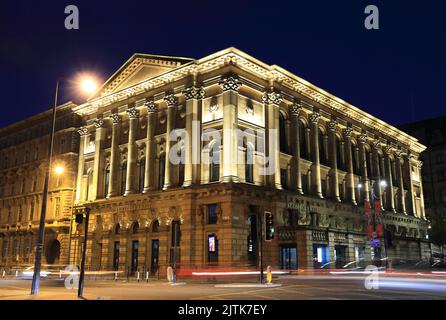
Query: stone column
{"points": [[349, 163], [408, 174], [315, 166], [333, 160], [149, 174], [272, 101], [114, 157], [131, 150], [98, 165], [230, 85], [422, 214], [376, 170], [296, 175], [172, 103], [193, 146], [390, 193], [363, 166], [83, 132], [399, 171]]}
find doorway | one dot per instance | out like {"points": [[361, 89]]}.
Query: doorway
{"points": [[340, 256], [288, 257]]}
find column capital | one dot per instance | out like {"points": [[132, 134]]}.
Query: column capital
{"points": [[230, 81], [133, 112], [362, 138], [194, 92], [314, 117], [419, 164], [332, 125], [115, 118], [170, 100], [348, 132], [99, 123], [388, 149], [376, 143], [296, 107], [83, 131], [272, 97], [151, 106]]}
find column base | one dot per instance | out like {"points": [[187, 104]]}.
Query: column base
{"points": [[230, 179], [129, 192], [187, 184]]}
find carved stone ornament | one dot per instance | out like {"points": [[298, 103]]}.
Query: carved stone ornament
{"points": [[272, 97], [151, 106], [99, 123], [332, 125], [115, 118], [296, 108], [230, 82], [82, 131], [362, 138], [194, 93], [348, 132], [170, 100], [315, 116], [133, 113]]}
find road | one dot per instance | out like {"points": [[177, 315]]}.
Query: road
{"points": [[329, 287]]}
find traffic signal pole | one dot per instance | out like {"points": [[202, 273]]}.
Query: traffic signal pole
{"points": [[80, 291], [261, 248]]}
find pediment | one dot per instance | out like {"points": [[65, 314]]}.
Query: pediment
{"points": [[138, 68]]}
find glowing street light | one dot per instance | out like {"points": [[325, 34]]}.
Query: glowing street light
{"points": [[359, 185], [88, 85], [383, 183], [59, 170]]}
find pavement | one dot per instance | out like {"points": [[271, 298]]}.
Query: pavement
{"points": [[291, 287]]}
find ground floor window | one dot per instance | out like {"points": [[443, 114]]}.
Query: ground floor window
{"points": [[155, 253], [321, 255], [288, 257], [340, 256], [134, 262]]}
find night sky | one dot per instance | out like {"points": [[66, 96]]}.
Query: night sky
{"points": [[396, 73]]}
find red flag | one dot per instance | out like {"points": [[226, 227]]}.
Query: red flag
{"points": [[368, 218], [379, 219]]}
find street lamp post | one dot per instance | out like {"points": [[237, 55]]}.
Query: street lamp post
{"points": [[80, 291], [87, 86], [41, 232]]}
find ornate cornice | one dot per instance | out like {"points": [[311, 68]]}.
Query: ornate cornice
{"points": [[151, 106], [170, 100], [272, 97], [243, 61], [230, 82], [83, 131], [194, 93]]}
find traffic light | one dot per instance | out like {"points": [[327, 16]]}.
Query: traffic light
{"points": [[269, 226]]}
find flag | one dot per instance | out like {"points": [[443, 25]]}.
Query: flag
{"points": [[368, 218], [378, 218]]}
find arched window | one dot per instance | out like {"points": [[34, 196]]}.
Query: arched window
{"points": [[282, 133], [322, 153], [161, 170], [249, 163], [302, 141], [214, 163], [123, 177], [118, 229], [176, 233], [135, 228], [142, 173], [339, 150], [106, 179], [155, 226]]}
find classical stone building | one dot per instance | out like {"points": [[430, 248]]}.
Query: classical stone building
{"points": [[23, 159], [432, 133], [322, 158]]}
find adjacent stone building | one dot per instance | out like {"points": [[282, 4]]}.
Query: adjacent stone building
{"points": [[432, 133], [23, 159], [323, 157]]}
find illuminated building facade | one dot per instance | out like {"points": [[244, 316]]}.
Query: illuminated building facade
{"points": [[23, 158]]}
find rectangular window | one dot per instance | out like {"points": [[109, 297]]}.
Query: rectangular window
{"points": [[283, 178], [304, 183], [16, 249], [212, 213], [5, 249], [116, 248]]}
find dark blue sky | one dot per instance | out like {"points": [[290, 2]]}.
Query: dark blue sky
{"points": [[396, 73]]}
